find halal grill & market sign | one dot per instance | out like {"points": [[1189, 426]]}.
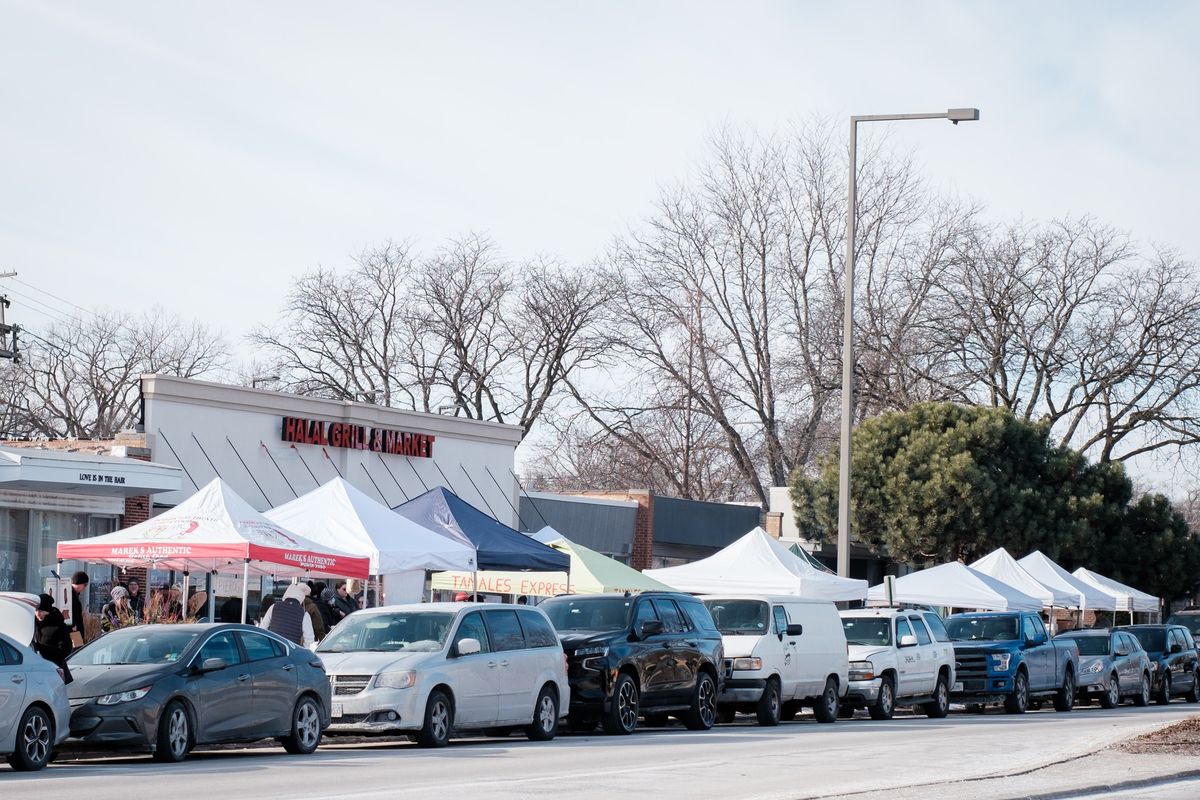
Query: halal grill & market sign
{"points": [[298, 430]]}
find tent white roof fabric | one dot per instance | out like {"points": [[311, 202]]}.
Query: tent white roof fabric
{"points": [[758, 564], [216, 530], [1127, 597], [338, 514], [1039, 565], [1003, 567], [957, 586]]}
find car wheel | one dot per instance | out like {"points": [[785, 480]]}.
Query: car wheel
{"points": [[1064, 698], [1193, 694], [826, 707], [174, 734], [703, 713], [622, 715], [769, 705], [1111, 697], [885, 704], [306, 728], [439, 721], [939, 706], [1018, 701], [34, 741], [545, 716], [1142, 698], [1164, 690]]}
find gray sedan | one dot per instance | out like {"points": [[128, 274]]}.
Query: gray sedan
{"points": [[1112, 666], [33, 706], [165, 688]]}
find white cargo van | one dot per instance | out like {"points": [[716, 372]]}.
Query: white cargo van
{"points": [[781, 653]]}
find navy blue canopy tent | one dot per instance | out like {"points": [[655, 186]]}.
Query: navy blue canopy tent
{"points": [[497, 546]]}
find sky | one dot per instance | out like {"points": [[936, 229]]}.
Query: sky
{"points": [[198, 156]]}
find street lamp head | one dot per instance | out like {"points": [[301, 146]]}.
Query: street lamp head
{"points": [[957, 115]]}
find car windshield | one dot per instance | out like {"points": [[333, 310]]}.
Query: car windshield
{"points": [[1091, 645], [868, 630], [413, 631], [1153, 641], [1189, 621], [600, 614], [739, 616], [974, 629], [145, 644]]}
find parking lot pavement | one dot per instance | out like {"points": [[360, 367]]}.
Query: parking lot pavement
{"points": [[801, 759]]}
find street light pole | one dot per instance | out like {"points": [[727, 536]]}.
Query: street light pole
{"points": [[955, 115]]}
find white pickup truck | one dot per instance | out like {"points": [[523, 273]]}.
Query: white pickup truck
{"points": [[897, 657]]}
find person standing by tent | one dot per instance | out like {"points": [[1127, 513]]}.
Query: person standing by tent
{"points": [[51, 635], [137, 601], [289, 619], [314, 614], [343, 603], [117, 613], [78, 627]]}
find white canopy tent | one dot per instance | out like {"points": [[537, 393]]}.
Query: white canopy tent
{"points": [[215, 530], [1047, 572], [955, 585], [1128, 598], [1003, 567], [338, 514], [757, 563]]}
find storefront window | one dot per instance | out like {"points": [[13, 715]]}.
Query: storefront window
{"points": [[14, 549]]}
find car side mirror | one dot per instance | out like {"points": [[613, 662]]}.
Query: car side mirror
{"points": [[908, 641], [795, 629], [1175, 648], [467, 647], [213, 664], [650, 627], [1121, 651]]}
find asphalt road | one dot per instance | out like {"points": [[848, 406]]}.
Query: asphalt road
{"points": [[801, 759]]}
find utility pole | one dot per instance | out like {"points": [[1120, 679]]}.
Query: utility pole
{"points": [[8, 333]]}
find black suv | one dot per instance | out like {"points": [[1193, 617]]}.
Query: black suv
{"points": [[1174, 661], [1188, 618], [652, 655]]}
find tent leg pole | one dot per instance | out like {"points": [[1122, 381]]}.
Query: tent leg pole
{"points": [[212, 598], [475, 586], [245, 587], [183, 608]]}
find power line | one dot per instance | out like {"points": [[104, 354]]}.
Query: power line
{"points": [[56, 297]]}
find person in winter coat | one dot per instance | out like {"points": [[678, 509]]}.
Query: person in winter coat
{"points": [[321, 595], [314, 613], [343, 604], [79, 582], [117, 613], [289, 619], [51, 636]]}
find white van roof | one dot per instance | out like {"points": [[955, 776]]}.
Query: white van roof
{"points": [[769, 598]]}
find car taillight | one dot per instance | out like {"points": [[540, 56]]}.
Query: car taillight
{"points": [[566, 663], [62, 674], [318, 663]]}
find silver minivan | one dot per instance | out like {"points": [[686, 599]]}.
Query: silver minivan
{"points": [[429, 669]]}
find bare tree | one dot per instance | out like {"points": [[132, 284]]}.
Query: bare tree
{"points": [[79, 378], [464, 329], [1069, 323]]}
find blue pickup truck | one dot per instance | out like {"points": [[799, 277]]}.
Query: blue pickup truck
{"points": [[1007, 657]]}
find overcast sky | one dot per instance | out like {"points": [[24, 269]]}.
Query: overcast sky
{"points": [[200, 155]]}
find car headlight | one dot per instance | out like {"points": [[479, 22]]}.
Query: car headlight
{"points": [[1000, 661], [592, 658], [1096, 667], [747, 663], [123, 697], [400, 679], [862, 671], [591, 651]]}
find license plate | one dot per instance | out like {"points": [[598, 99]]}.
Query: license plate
{"points": [[337, 710], [958, 687]]}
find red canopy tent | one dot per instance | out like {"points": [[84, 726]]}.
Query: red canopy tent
{"points": [[215, 530]]}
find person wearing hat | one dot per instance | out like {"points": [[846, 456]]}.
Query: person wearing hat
{"points": [[51, 635], [288, 618], [314, 613], [117, 613]]}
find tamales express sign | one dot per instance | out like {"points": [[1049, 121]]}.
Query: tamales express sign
{"points": [[299, 430]]}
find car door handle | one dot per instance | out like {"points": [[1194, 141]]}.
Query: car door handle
{"points": [[288, 667], [491, 665], [504, 663], [18, 678], [243, 678]]}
